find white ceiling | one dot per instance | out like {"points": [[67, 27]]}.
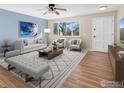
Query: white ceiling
{"points": [[37, 10]]}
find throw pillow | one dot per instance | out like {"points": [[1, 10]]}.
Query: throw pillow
{"points": [[60, 40], [25, 42], [75, 42], [40, 41], [30, 41]]}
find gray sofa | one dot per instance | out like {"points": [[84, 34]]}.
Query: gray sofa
{"points": [[28, 45]]}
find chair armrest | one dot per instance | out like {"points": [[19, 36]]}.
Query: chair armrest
{"points": [[69, 42], [80, 43]]}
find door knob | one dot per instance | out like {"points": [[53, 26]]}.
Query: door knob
{"points": [[94, 36], [94, 29]]}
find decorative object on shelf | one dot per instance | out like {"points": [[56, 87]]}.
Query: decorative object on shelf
{"points": [[27, 29], [66, 28], [5, 46], [121, 54], [47, 31], [115, 44], [54, 45], [5, 42]]}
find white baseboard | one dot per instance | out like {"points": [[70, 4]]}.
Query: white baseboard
{"points": [[96, 51], [90, 49]]}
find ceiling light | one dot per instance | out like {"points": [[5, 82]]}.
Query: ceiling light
{"points": [[103, 8]]}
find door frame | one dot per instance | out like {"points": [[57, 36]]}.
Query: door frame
{"points": [[92, 33]]}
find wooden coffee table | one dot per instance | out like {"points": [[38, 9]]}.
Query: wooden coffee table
{"points": [[50, 54]]}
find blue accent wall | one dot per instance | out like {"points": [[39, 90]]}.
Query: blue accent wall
{"points": [[9, 25]]}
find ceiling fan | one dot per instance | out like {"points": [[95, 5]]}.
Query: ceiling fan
{"points": [[53, 9]]}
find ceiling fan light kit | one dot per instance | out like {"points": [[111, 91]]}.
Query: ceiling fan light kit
{"points": [[103, 8], [53, 9]]}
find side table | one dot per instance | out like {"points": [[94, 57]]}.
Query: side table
{"points": [[5, 47]]}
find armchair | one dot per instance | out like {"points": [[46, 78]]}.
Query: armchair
{"points": [[74, 44], [61, 42]]}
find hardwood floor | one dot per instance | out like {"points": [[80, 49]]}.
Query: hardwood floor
{"points": [[94, 68], [7, 80]]}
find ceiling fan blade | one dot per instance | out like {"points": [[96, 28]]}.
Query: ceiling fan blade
{"points": [[46, 12], [61, 9], [57, 13]]}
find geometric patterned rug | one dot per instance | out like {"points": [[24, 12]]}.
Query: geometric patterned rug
{"points": [[61, 66]]}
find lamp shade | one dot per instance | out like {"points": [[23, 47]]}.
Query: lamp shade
{"points": [[47, 30]]}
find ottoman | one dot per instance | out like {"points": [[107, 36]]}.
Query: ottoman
{"points": [[31, 68]]}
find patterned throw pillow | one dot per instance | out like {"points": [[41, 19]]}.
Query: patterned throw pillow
{"points": [[60, 40], [25, 42], [75, 42], [30, 41], [40, 41]]}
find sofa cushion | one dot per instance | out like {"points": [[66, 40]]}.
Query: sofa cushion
{"points": [[12, 53], [40, 41], [25, 42], [33, 46], [30, 41], [26, 50], [74, 46], [75, 42]]}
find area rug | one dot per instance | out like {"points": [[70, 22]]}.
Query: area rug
{"points": [[61, 66]]}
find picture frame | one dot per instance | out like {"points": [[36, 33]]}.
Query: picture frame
{"points": [[67, 28], [27, 29]]}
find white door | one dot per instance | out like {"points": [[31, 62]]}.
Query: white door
{"points": [[102, 33]]}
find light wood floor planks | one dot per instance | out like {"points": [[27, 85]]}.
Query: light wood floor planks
{"points": [[8, 80], [94, 68]]}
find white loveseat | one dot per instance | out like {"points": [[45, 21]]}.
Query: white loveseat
{"points": [[28, 45]]}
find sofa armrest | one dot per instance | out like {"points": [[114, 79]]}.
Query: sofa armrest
{"points": [[12, 53]]}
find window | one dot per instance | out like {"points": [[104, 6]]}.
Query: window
{"points": [[66, 29]]}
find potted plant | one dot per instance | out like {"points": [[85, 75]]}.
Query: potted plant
{"points": [[54, 45]]}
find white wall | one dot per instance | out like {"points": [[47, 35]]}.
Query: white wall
{"points": [[85, 27]]}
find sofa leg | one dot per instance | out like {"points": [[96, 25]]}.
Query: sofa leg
{"points": [[10, 67], [28, 78], [52, 73], [80, 50], [40, 82]]}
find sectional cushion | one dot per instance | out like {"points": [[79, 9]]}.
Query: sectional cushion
{"points": [[30, 41], [32, 46]]}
